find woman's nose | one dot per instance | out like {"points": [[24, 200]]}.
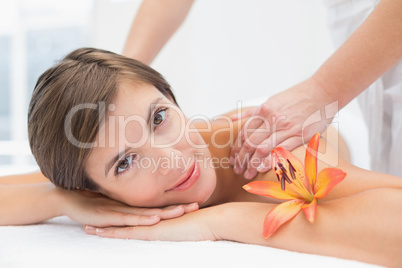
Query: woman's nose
{"points": [[171, 162]]}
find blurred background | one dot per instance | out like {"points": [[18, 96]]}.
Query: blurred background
{"points": [[228, 53]]}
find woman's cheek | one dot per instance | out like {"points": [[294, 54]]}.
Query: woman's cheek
{"points": [[146, 193], [167, 135]]}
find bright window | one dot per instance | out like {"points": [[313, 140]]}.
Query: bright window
{"points": [[33, 36]]}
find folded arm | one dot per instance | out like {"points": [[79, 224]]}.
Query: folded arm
{"points": [[27, 204], [29, 199], [363, 227]]}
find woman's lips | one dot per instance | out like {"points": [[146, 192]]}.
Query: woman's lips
{"points": [[190, 178]]}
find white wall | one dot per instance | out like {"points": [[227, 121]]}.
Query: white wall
{"points": [[235, 50], [229, 49]]}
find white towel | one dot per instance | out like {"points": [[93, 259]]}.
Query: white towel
{"points": [[61, 242]]}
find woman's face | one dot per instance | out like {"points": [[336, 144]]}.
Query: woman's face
{"points": [[147, 153]]}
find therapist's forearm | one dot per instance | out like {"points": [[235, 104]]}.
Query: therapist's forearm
{"points": [[29, 203], [156, 21], [370, 51]]}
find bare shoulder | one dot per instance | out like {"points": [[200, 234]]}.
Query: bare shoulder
{"points": [[36, 177], [233, 112]]}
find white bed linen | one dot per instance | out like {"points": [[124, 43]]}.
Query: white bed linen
{"points": [[61, 242]]}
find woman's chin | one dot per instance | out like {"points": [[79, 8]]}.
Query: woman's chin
{"points": [[207, 192]]}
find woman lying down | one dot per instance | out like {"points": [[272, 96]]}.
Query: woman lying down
{"points": [[123, 160]]}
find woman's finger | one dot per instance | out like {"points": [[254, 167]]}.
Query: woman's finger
{"points": [[190, 207], [187, 207], [113, 218], [140, 233], [89, 229], [163, 213], [168, 212], [174, 211], [111, 232]]}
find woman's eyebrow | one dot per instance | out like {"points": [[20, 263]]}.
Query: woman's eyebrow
{"points": [[119, 155]]}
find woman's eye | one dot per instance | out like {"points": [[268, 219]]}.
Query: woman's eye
{"points": [[124, 164], [159, 117]]}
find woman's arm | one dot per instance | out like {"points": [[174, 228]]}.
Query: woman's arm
{"points": [[27, 204], [156, 21], [26, 199], [36, 177], [363, 227], [331, 154]]}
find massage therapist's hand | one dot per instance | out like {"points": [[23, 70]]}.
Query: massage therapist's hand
{"points": [[98, 210], [287, 119]]}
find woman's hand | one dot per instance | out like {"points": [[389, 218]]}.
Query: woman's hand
{"points": [[287, 119], [194, 226], [98, 210]]}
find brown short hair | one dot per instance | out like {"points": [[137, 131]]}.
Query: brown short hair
{"points": [[86, 75]]}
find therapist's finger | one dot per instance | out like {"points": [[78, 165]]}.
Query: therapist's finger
{"points": [[246, 113], [253, 141], [262, 151], [243, 138], [289, 144]]}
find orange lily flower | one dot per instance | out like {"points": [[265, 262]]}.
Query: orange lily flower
{"points": [[298, 184]]}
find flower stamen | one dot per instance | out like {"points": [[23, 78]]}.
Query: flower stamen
{"points": [[292, 170], [277, 176], [280, 165], [282, 183], [287, 178]]}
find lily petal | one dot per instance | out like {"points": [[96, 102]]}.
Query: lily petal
{"points": [[279, 154], [310, 160], [279, 215], [271, 189], [310, 210], [326, 180]]}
